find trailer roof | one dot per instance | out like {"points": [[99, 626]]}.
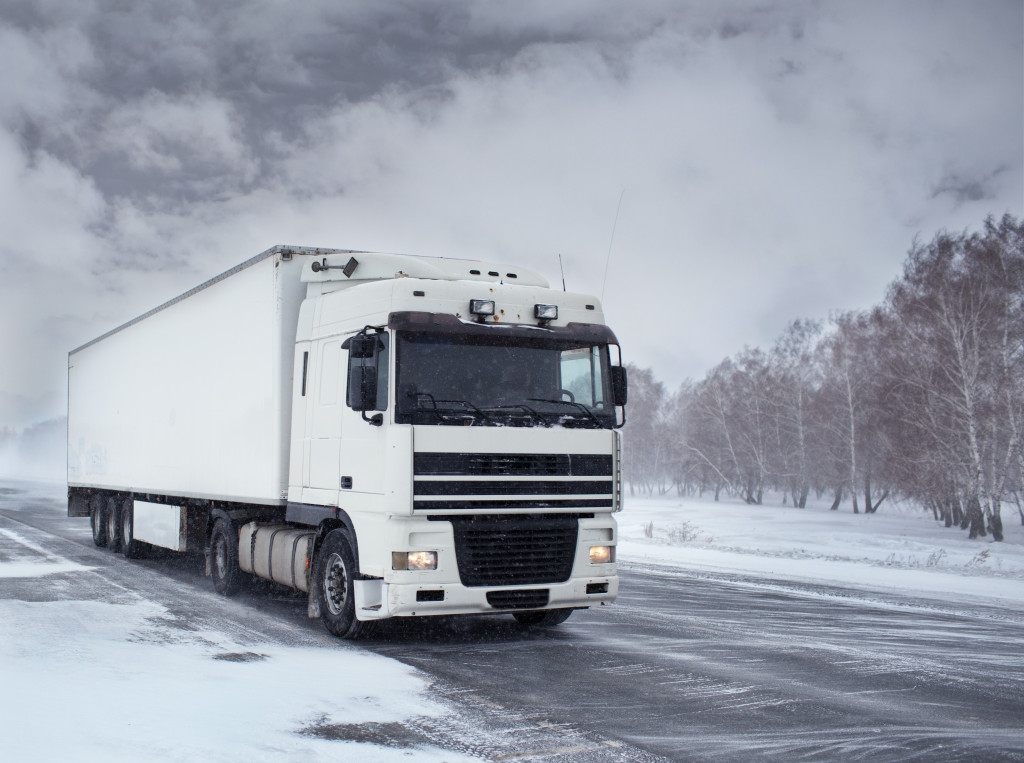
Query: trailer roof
{"points": [[372, 266]]}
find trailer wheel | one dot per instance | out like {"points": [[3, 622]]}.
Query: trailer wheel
{"points": [[544, 618], [98, 520], [226, 574], [131, 548], [333, 577], [113, 525]]}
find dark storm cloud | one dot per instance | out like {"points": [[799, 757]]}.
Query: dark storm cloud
{"points": [[147, 146], [274, 67]]}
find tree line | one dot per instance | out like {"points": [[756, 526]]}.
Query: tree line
{"points": [[921, 397]]}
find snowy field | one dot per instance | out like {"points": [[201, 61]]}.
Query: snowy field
{"points": [[94, 670], [900, 549]]}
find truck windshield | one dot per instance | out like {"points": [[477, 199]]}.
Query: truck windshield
{"points": [[481, 381]]}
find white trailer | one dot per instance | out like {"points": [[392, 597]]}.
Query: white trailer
{"points": [[394, 435]]}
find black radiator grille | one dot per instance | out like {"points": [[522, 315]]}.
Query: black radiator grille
{"points": [[484, 482], [530, 598], [515, 550], [501, 487], [513, 464]]}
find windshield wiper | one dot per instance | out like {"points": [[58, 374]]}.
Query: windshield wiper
{"points": [[532, 413], [573, 403], [443, 415]]}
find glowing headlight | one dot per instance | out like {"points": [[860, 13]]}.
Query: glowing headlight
{"points": [[602, 554], [414, 560], [481, 306]]}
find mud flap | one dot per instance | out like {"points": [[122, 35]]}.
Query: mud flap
{"points": [[312, 603]]}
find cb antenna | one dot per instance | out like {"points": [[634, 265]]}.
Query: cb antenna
{"points": [[562, 269], [608, 258]]}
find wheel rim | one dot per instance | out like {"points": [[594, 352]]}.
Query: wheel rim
{"points": [[126, 526], [111, 526], [96, 524], [335, 583]]}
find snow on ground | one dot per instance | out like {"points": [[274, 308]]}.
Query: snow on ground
{"points": [[92, 671], [88, 680], [900, 549], [117, 677]]}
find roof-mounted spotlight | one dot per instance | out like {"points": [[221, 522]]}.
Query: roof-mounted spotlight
{"points": [[481, 308], [545, 313]]}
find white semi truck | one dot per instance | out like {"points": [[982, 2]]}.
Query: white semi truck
{"points": [[392, 435]]}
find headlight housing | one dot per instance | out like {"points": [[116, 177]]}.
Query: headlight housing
{"points": [[481, 307], [545, 312], [414, 560], [602, 554]]}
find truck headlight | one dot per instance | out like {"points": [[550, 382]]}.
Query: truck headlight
{"points": [[414, 560], [602, 554]]}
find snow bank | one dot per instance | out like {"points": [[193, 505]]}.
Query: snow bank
{"points": [[898, 549]]}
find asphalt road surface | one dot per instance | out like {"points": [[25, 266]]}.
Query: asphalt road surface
{"points": [[683, 667]]}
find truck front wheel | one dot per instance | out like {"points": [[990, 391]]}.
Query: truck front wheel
{"points": [[333, 577], [544, 618], [227, 575]]}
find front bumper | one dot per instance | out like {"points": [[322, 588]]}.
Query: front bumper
{"points": [[377, 600]]}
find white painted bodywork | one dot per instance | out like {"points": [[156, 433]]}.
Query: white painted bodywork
{"points": [[159, 524], [204, 398], [194, 399]]}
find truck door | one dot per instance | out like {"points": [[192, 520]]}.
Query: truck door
{"points": [[324, 425], [363, 419]]}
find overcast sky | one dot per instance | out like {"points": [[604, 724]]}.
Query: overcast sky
{"points": [[773, 160]]}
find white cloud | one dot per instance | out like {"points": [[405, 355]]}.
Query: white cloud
{"points": [[165, 133]]}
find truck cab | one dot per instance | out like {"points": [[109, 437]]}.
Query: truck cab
{"points": [[458, 422]]}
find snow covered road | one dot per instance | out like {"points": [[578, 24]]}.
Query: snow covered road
{"points": [[139, 659]]}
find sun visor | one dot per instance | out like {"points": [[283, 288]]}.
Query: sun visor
{"points": [[443, 323]]}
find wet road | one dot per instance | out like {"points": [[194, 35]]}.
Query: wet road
{"points": [[682, 667]]}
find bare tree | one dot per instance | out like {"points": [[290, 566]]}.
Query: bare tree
{"points": [[923, 396]]}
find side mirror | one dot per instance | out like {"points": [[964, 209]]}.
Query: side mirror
{"points": [[620, 389], [361, 346], [361, 388]]}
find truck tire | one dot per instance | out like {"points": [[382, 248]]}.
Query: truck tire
{"points": [[98, 520], [131, 548], [333, 577], [543, 618], [224, 569], [113, 525]]}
